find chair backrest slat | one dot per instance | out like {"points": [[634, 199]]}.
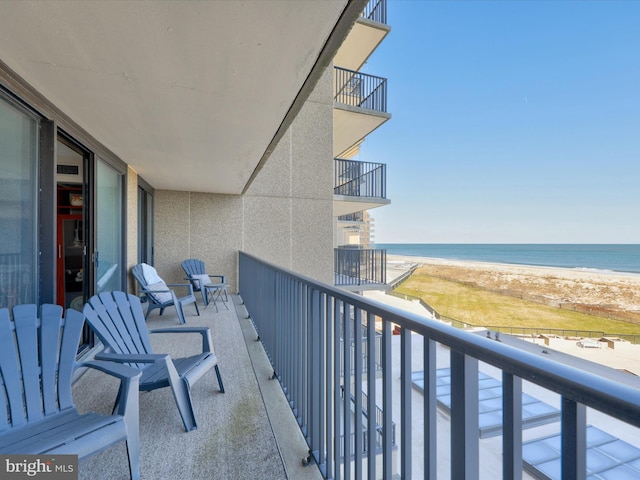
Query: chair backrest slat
{"points": [[25, 318], [117, 319], [12, 384], [49, 356], [68, 350]]}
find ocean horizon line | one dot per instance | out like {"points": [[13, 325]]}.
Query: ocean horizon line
{"points": [[602, 257]]}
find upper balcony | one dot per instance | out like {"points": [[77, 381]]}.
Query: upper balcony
{"points": [[356, 268], [360, 106], [358, 186], [355, 218], [365, 36]]}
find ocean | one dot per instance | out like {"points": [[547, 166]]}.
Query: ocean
{"points": [[607, 257]]}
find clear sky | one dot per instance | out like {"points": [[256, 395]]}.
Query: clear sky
{"points": [[512, 122]]}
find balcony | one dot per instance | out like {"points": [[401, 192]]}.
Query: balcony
{"points": [[365, 36], [246, 432], [360, 106], [360, 268], [461, 402], [355, 218], [358, 186]]}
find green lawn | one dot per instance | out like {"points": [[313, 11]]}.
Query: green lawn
{"points": [[482, 308]]}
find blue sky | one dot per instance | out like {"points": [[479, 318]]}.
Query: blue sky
{"points": [[512, 122]]}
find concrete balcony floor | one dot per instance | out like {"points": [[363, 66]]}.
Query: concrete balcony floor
{"points": [[248, 432]]}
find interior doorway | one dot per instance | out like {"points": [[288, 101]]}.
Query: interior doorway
{"points": [[71, 226]]}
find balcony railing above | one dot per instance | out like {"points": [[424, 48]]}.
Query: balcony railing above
{"points": [[356, 217], [360, 266], [360, 179], [376, 10], [357, 89]]}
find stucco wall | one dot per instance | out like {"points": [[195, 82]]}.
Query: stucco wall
{"points": [[132, 225], [286, 217]]}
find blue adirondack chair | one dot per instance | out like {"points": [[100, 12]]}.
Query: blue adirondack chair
{"points": [[158, 293], [37, 360], [201, 281], [118, 321]]}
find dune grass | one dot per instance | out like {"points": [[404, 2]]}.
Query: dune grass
{"points": [[482, 308]]}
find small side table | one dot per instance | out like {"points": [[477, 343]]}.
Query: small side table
{"points": [[216, 290]]}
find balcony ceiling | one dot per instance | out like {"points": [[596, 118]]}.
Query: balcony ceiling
{"points": [[351, 125], [189, 94], [344, 205], [362, 41]]}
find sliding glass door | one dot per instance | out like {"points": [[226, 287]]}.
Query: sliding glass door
{"points": [[18, 205], [109, 230]]}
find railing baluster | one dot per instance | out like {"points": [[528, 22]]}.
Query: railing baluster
{"points": [[429, 405], [511, 427], [346, 394], [405, 402], [464, 416], [387, 439], [372, 420], [574, 440], [316, 389], [337, 400], [357, 391]]}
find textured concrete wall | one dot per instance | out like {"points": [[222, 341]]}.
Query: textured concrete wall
{"points": [[286, 217], [132, 225]]}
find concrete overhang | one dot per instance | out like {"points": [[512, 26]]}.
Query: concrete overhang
{"points": [[192, 95], [362, 41], [352, 124], [343, 204]]}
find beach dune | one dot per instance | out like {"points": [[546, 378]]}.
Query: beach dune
{"points": [[610, 293]]}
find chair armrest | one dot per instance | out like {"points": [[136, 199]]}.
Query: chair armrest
{"points": [[131, 357], [221, 277], [127, 403], [123, 372], [186, 285], [207, 345]]}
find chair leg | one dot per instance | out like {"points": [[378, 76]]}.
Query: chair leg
{"points": [[182, 396], [196, 305], [178, 306], [205, 297], [219, 379], [134, 459]]}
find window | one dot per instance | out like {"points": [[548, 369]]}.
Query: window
{"points": [[145, 226]]}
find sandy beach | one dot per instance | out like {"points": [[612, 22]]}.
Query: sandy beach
{"points": [[609, 291]]}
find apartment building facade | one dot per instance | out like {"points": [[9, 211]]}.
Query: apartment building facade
{"points": [[360, 108]]}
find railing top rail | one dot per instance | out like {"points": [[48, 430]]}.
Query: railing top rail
{"points": [[373, 165], [608, 396], [360, 74]]}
